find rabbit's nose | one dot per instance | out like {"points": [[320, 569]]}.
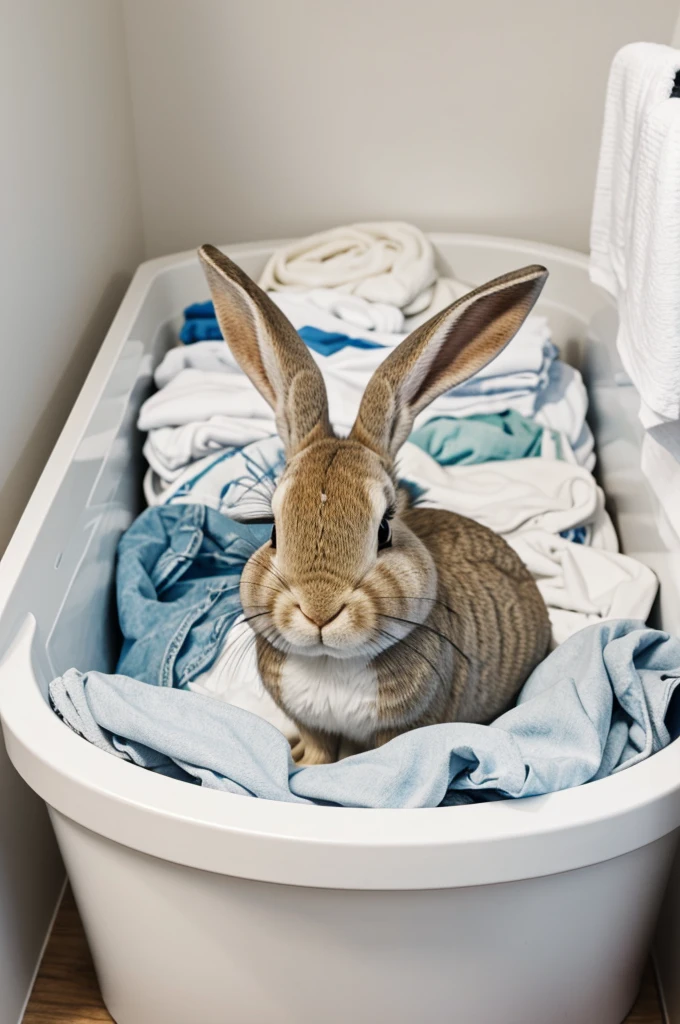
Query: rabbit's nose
{"points": [[319, 618]]}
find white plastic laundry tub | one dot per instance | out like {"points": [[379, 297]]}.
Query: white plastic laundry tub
{"points": [[210, 908]]}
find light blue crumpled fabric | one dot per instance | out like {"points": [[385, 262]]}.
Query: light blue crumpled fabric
{"points": [[596, 705]]}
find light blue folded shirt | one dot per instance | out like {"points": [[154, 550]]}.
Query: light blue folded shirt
{"points": [[598, 704]]}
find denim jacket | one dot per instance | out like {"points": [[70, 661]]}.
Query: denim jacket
{"points": [[178, 574]]}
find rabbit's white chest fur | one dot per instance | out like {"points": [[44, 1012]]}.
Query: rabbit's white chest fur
{"points": [[331, 694]]}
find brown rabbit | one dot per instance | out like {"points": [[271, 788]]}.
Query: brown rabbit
{"points": [[374, 617]]}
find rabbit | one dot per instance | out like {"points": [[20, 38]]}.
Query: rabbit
{"points": [[374, 616]]}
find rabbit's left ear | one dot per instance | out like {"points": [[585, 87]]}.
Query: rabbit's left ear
{"points": [[270, 351], [447, 350]]}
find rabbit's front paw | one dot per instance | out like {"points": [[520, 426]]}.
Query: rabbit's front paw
{"points": [[315, 748]]}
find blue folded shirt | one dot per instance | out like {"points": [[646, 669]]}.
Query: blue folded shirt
{"points": [[200, 324]]}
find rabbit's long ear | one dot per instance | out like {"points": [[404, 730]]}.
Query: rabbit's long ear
{"points": [[444, 352], [269, 350]]}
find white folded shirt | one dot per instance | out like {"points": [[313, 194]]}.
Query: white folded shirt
{"points": [[514, 495]]}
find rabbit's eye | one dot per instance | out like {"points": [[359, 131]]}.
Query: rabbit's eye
{"points": [[384, 534], [273, 537]]}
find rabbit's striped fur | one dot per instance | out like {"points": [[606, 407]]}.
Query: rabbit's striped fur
{"points": [[374, 617]]}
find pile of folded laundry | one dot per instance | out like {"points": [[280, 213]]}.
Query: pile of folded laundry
{"points": [[353, 294]]}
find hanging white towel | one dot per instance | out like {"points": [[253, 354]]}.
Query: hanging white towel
{"points": [[641, 76], [635, 231], [649, 305]]}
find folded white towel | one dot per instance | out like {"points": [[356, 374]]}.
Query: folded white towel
{"points": [[307, 309], [388, 262], [353, 310], [635, 231], [358, 314]]}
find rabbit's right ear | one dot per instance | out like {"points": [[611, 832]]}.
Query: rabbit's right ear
{"points": [[442, 353], [270, 351]]}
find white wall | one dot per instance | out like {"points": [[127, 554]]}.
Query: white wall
{"points": [[70, 236], [269, 118]]}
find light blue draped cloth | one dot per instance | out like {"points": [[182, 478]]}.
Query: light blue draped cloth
{"points": [[598, 704]]}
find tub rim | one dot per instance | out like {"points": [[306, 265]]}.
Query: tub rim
{"points": [[297, 844], [328, 847]]}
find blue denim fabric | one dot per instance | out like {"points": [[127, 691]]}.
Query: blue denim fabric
{"points": [[178, 576]]}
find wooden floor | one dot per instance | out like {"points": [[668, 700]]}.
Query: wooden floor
{"points": [[66, 990]]}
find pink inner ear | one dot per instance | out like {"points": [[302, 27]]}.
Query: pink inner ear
{"points": [[473, 337]]}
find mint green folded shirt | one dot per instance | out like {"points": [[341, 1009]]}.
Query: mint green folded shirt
{"points": [[468, 440]]}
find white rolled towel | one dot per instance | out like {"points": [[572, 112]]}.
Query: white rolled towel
{"points": [[389, 262]]}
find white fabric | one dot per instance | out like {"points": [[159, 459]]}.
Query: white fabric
{"points": [[355, 312], [641, 76], [204, 476], [582, 585], [389, 262], [169, 450], [635, 231], [563, 406], [445, 291], [662, 470], [506, 496], [358, 314], [233, 477], [176, 436], [514, 495], [525, 376], [196, 395], [526, 359], [524, 364], [235, 678]]}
